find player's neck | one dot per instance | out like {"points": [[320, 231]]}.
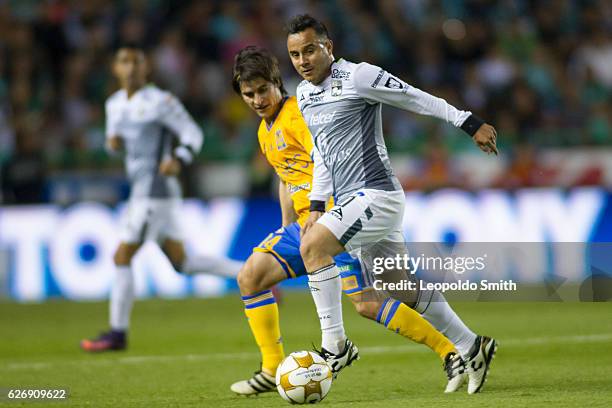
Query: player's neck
{"points": [[327, 74], [131, 90], [269, 120]]}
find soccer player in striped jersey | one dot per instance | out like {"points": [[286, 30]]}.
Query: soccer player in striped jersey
{"points": [[286, 142], [143, 121], [341, 102]]}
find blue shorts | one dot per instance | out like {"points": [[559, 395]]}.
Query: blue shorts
{"points": [[284, 245]]}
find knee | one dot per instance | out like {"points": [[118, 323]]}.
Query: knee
{"points": [[309, 247], [124, 254], [250, 278], [368, 310], [175, 253], [177, 261]]}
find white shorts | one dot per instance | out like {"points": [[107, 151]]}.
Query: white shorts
{"points": [[365, 217], [151, 219]]}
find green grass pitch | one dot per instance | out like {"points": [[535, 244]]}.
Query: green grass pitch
{"points": [[186, 353]]}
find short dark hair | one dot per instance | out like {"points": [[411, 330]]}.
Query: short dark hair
{"points": [[302, 22], [254, 62]]}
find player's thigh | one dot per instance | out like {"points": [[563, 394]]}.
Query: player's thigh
{"points": [[175, 251], [284, 245], [125, 252], [365, 217], [318, 241], [260, 272], [164, 220], [134, 220]]}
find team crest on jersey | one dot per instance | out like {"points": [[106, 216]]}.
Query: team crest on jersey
{"points": [[280, 140], [336, 87]]}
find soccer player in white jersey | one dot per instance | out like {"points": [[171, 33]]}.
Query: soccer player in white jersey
{"points": [[341, 102], [142, 120]]}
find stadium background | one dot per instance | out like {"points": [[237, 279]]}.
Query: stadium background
{"points": [[539, 71]]}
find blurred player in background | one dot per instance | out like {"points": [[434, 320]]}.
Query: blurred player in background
{"points": [[143, 120], [286, 142], [341, 103]]}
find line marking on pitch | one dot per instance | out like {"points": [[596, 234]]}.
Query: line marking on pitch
{"points": [[409, 348]]}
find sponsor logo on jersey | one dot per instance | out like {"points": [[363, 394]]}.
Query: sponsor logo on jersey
{"points": [[321, 118], [393, 83], [295, 188], [336, 212], [340, 74], [317, 96], [336, 87], [378, 78]]}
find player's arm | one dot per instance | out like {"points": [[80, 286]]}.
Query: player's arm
{"points": [[174, 116], [114, 142], [320, 192], [376, 84], [286, 203]]}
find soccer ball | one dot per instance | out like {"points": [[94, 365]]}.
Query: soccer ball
{"points": [[303, 377]]}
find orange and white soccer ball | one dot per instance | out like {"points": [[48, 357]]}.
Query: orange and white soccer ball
{"points": [[303, 377]]}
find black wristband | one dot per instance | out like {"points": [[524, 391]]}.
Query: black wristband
{"points": [[317, 206], [472, 124]]}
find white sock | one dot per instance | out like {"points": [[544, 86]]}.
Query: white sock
{"points": [[213, 265], [121, 298], [435, 309], [326, 289]]}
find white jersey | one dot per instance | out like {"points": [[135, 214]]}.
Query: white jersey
{"points": [[343, 114], [146, 123]]}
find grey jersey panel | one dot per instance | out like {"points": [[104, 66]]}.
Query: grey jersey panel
{"points": [[146, 141], [347, 130]]}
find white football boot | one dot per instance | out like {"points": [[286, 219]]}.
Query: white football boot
{"points": [[258, 383], [455, 371], [479, 361], [337, 362]]}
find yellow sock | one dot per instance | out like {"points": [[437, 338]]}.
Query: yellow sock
{"points": [[262, 313], [401, 319]]}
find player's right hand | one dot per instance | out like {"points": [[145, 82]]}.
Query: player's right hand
{"points": [[114, 143], [312, 219]]}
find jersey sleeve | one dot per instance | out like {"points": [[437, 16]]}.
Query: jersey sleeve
{"points": [[377, 85], [111, 121], [173, 114]]}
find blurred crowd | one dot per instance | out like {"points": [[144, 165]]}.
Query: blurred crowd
{"points": [[540, 71]]}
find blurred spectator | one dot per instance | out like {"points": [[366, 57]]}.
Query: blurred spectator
{"points": [[23, 174], [539, 71]]}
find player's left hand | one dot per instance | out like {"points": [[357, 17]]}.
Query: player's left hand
{"points": [[170, 167], [310, 221], [486, 139]]}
